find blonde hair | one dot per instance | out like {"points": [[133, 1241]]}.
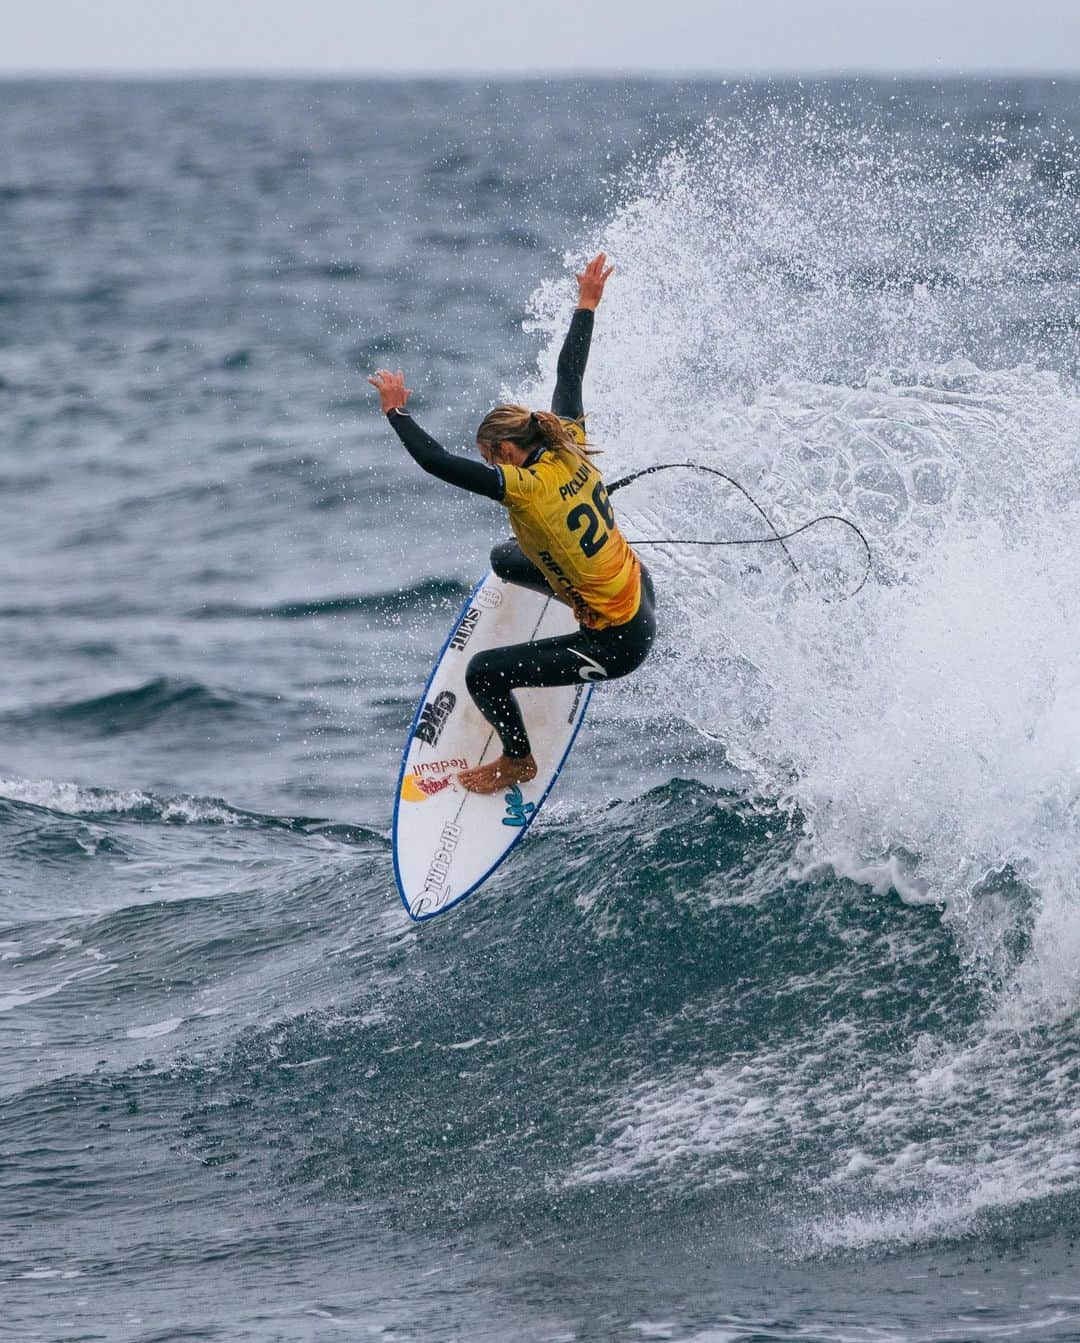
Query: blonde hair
{"points": [[531, 429]]}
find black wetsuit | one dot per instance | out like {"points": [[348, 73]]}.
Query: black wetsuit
{"points": [[588, 654]]}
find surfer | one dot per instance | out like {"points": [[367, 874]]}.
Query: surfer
{"points": [[538, 465]]}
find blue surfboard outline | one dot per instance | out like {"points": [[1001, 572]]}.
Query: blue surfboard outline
{"points": [[589, 688]]}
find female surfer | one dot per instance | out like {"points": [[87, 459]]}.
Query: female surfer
{"points": [[538, 466]]}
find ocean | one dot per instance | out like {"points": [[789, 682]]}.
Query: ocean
{"points": [[770, 1029]]}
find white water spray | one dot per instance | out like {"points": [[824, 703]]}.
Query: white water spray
{"points": [[814, 310]]}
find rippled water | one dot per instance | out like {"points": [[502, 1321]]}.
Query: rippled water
{"points": [[772, 1028]]}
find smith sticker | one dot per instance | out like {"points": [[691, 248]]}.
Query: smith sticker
{"points": [[464, 631]]}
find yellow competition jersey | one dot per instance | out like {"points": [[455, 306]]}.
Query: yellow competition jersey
{"points": [[560, 514]]}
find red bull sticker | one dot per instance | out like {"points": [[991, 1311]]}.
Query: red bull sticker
{"points": [[428, 777]]}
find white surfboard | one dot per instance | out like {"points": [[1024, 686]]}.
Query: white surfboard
{"points": [[446, 840]]}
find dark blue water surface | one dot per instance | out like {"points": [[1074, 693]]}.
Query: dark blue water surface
{"points": [[671, 1075]]}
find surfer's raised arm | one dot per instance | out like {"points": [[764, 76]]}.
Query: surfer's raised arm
{"points": [[574, 355], [510, 436]]}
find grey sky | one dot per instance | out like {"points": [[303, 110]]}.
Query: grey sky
{"points": [[407, 36]]}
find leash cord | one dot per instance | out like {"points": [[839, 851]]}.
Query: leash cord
{"points": [[778, 538]]}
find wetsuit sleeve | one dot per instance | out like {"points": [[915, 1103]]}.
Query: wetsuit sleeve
{"points": [[573, 357], [466, 474]]}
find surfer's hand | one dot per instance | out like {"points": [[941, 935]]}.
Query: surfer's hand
{"points": [[393, 394], [591, 281]]}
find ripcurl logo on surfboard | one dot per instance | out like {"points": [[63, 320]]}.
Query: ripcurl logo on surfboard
{"points": [[436, 886]]}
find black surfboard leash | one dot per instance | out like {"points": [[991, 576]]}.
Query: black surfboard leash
{"points": [[777, 538]]}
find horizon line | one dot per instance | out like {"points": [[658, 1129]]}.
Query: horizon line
{"points": [[165, 74]]}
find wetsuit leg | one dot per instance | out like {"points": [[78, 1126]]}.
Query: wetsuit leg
{"points": [[510, 562], [587, 655]]}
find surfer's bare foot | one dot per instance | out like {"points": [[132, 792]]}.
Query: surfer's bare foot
{"points": [[505, 772]]}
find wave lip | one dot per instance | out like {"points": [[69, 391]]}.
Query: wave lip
{"points": [[103, 804], [72, 799]]}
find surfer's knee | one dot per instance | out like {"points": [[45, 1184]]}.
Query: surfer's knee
{"points": [[480, 673]]}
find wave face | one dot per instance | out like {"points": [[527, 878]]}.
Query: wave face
{"points": [[870, 336], [925, 732], [771, 1028]]}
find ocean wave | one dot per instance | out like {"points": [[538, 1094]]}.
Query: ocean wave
{"points": [[75, 800], [693, 956], [654, 1006], [703, 1024], [159, 700], [429, 594]]}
